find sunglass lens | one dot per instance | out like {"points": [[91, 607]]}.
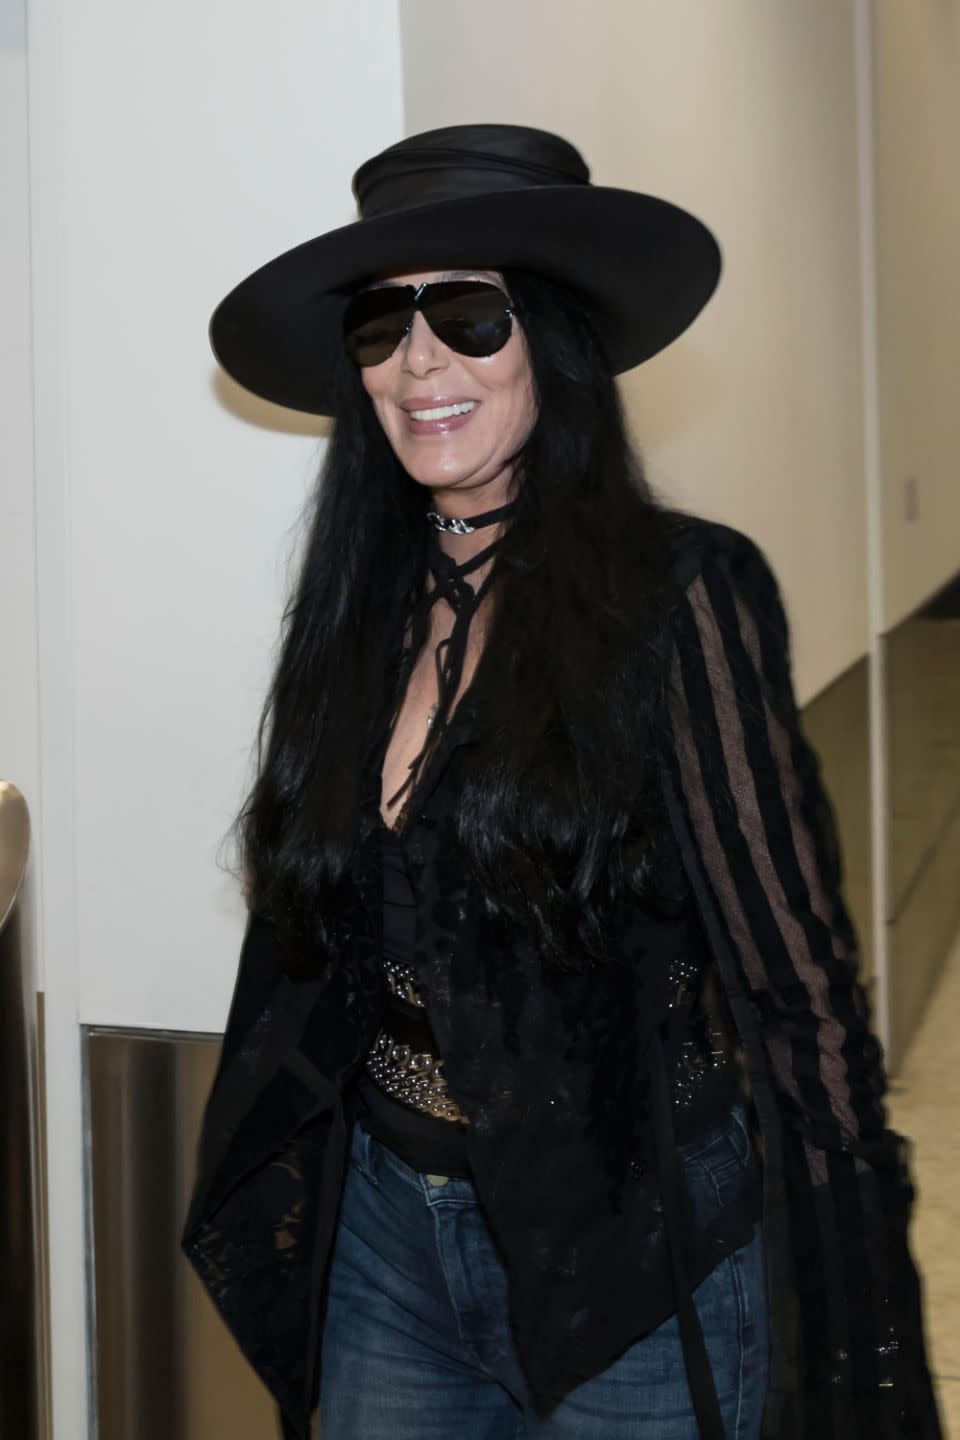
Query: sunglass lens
{"points": [[375, 321], [471, 317]]}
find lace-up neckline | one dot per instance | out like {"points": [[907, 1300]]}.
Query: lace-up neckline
{"points": [[451, 583]]}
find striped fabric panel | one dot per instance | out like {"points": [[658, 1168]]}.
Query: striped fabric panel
{"points": [[746, 771], [766, 837]]}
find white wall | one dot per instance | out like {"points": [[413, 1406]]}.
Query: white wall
{"points": [[197, 142], [173, 149], [745, 113], [916, 70], [19, 719]]}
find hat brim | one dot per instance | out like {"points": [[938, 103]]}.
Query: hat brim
{"points": [[644, 267]]}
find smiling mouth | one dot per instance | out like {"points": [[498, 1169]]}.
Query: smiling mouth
{"points": [[444, 412], [437, 422]]}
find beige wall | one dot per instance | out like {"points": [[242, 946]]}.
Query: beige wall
{"points": [[915, 61], [916, 68], [744, 112]]}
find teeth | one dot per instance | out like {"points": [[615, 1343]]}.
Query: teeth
{"points": [[444, 412]]}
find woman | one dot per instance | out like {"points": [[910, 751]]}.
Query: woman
{"points": [[547, 941]]}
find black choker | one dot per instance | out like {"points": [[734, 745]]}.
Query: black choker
{"points": [[476, 522]]}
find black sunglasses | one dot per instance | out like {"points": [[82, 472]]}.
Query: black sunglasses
{"points": [[473, 317]]}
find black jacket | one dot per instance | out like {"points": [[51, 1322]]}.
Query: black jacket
{"points": [[558, 1076]]}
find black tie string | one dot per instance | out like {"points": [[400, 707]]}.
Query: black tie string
{"points": [[450, 584]]}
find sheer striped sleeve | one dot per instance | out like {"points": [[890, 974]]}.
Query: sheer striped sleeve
{"points": [[766, 842]]}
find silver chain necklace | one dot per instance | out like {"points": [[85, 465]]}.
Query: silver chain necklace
{"points": [[446, 523], [451, 526]]}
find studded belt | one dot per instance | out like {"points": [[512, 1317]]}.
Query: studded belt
{"points": [[402, 1064], [405, 1067]]}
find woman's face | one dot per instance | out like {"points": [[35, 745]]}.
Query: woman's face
{"points": [[470, 451]]}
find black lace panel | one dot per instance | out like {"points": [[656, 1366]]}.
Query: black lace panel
{"points": [[256, 1253]]}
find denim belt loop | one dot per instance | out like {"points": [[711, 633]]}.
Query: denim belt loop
{"points": [[364, 1154]]}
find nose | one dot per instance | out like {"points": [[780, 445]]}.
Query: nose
{"points": [[422, 351]]}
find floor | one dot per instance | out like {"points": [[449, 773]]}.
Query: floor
{"points": [[925, 1104]]}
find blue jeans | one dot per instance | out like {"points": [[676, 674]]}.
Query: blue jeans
{"points": [[417, 1342]]}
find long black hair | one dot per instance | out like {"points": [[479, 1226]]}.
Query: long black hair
{"points": [[556, 816]]}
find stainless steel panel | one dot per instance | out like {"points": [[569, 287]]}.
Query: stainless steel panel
{"points": [[166, 1367], [14, 847], [21, 1347]]}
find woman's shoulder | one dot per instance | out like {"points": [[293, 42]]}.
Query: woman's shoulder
{"points": [[695, 541]]}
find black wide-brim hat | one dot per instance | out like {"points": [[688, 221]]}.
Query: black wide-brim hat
{"points": [[479, 196]]}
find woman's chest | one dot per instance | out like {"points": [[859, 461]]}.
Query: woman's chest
{"points": [[421, 685]]}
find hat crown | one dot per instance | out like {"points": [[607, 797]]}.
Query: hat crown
{"points": [[461, 160]]}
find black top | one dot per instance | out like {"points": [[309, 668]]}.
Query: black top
{"points": [[704, 1079], [426, 1142]]}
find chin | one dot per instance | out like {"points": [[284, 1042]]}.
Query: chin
{"points": [[436, 478]]}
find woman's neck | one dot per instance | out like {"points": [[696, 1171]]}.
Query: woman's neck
{"points": [[453, 505]]}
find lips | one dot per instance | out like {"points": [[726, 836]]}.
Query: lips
{"points": [[443, 424]]}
